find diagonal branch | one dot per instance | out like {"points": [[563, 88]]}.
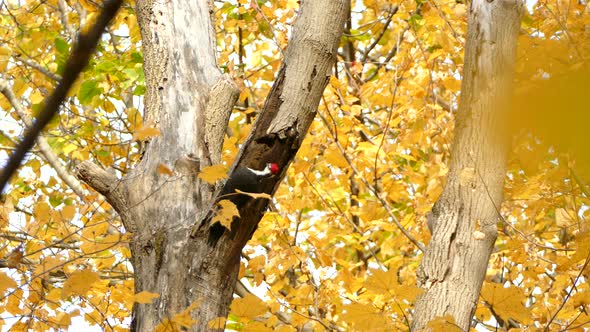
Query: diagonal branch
{"points": [[392, 12], [42, 144], [76, 63], [39, 68]]}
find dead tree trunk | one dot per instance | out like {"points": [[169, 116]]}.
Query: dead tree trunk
{"points": [[464, 218], [190, 101]]}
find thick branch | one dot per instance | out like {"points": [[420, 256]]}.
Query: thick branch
{"points": [[222, 98], [288, 111], [105, 183]]}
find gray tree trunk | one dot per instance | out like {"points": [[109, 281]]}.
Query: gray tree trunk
{"points": [[465, 216], [190, 101]]}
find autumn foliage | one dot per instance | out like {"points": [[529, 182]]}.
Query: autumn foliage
{"points": [[331, 253]]}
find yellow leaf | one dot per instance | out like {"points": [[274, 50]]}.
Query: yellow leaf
{"points": [[581, 298], [443, 324], [335, 158], [165, 170], [366, 318], [68, 212], [166, 325], [79, 283], [134, 118], [144, 132], [380, 281], [41, 212], [254, 195], [48, 264], [184, 318], [4, 50], [217, 323], [145, 297], [225, 215], [255, 326], [98, 245], [68, 148], [244, 94], [292, 4], [13, 306], [6, 282], [562, 218], [36, 97], [213, 173], [248, 307], [507, 302]]}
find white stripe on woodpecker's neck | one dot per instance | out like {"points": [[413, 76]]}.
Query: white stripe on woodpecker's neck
{"points": [[264, 172]]}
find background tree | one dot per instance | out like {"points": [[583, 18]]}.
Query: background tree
{"points": [[464, 219], [331, 253]]}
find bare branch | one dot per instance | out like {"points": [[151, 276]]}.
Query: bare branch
{"points": [[39, 68], [105, 183]]}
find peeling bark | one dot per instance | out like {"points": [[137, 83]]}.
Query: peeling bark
{"points": [[454, 265], [190, 101]]}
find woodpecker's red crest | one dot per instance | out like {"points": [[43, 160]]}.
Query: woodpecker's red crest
{"points": [[274, 168]]}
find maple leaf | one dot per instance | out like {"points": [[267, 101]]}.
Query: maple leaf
{"points": [[145, 131], [6, 282], [212, 174], [217, 323], [366, 318], [163, 169], [79, 283], [226, 213], [14, 258], [444, 324], [145, 297], [249, 306], [507, 302]]}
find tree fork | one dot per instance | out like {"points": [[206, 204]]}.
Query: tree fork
{"points": [[179, 55]]}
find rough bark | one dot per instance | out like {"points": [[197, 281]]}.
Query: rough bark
{"points": [[174, 251], [465, 216]]}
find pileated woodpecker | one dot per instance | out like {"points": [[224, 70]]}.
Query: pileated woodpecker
{"points": [[244, 179], [247, 180]]}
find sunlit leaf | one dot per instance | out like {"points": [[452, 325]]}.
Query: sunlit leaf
{"points": [[145, 297], [79, 283], [249, 306], [212, 174]]}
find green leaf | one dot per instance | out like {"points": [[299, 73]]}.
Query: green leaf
{"points": [[131, 73], [61, 45], [55, 200], [417, 21], [102, 153], [139, 90], [106, 67], [136, 57], [87, 91]]}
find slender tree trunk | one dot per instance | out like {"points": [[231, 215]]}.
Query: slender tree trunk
{"points": [[464, 218], [189, 100]]}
